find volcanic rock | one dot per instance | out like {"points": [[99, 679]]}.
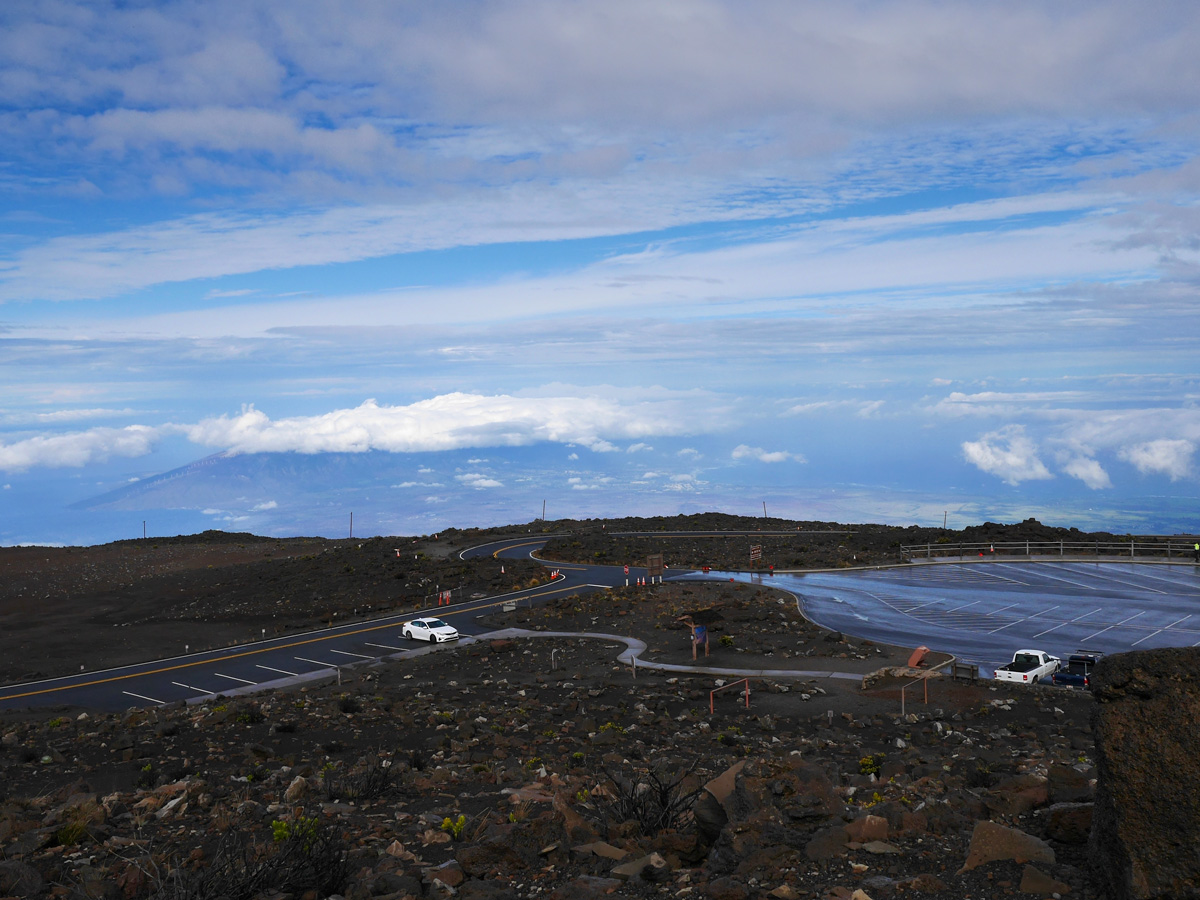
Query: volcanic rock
{"points": [[1143, 843]]}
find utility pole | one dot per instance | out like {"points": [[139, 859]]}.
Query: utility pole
{"points": [[352, 525], [764, 509], [543, 510], [945, 513]]}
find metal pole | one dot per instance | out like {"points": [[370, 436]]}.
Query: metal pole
{"points": [[351, 524]]}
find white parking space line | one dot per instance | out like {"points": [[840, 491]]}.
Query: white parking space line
{"points": [[191, 688], [1072, 622], [1133, 584], [1063, 580], [140, 697], [1111, 627], [234, 678], [1003, 577], [347, 653], [317, 662], [280, 671], [1161, 630], [911, 608], [947, 612], [1190, 585], [1042, 611], [386, 647]]}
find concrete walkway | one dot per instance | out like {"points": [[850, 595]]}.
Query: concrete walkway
{"points": [[634, 648], [631, 656]]}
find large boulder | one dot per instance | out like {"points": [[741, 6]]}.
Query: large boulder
{"points": [[1146, 724]]}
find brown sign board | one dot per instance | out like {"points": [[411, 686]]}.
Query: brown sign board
{"points": [[756, 552], [654, 565]]}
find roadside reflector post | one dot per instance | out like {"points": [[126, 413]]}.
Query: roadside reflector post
{"points": [[339, 671]]}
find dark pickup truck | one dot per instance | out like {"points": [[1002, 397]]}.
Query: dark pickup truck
{"points": [[1078, 670]]}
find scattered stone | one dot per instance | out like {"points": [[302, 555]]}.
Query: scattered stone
{"points": [[1035, 881], [991, 842]]}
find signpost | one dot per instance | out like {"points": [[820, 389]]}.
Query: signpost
{"points": [[756, 553], [654, 566]]}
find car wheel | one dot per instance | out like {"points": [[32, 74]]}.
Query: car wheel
{"points": [[408, 634], [433, 639]]}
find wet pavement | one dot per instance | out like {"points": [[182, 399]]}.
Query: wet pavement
{"points": [[983, 612]]}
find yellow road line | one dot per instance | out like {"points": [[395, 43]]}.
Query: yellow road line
{"points": [[496, 553]]}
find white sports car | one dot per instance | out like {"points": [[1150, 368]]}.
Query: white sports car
{"points": [[433, 630]]}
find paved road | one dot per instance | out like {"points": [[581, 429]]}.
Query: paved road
{"points": [[978, 611], [315, 655], [983, 612]]}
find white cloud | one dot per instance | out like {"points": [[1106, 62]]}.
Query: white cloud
{"points": [[1162, 457], [1000, 403], [478, 480], [1089, 471], [638, 448], [78, 449], [744, 451], [1008, 454], [71, 415], [447, 422], [262, 507]]}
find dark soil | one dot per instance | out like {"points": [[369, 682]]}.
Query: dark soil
{"points": [[537, 743]]}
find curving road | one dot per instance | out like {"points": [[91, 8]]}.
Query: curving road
{"points": [[980, 612], [318, 654]]}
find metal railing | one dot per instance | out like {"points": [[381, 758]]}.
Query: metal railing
{"points": [[1181, 548]]}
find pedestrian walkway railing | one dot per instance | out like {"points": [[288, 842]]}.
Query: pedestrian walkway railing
{"points": [[1180, 548]]}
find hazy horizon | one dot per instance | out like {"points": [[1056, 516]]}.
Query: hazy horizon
{"points": [[862, 262]]}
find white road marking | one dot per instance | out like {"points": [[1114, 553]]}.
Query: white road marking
{"points": [[1063, 580], [347, 653], [191, 688], [386, 647], [957, 608], [140, 697], [1133, 584], [1072, 622], [1117, 625], [234, 678], [1003, 577], [280, 671], [1161, 630], [316, 662]]}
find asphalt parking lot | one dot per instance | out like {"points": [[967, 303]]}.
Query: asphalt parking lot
{"points": [[983, 612]]}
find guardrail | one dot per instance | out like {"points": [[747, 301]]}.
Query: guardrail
{"points": [[1180, 548]]}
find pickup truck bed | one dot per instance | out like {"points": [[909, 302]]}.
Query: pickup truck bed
{"points": [[1028, 667]]}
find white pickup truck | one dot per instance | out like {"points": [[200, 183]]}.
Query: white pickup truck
{"points": [[1029, 667]]}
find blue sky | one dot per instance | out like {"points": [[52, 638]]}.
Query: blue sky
{"points": [[862, 262]]}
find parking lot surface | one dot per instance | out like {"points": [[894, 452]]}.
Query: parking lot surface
{"points": [[983, 612]]}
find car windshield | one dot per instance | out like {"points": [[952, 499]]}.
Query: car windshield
{"points": [[435, 623]]}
